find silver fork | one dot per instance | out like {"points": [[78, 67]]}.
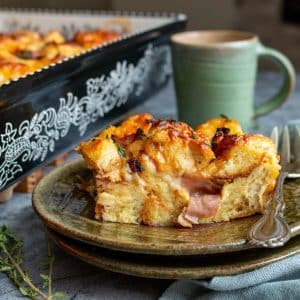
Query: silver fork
{"points": [[271, 230]]}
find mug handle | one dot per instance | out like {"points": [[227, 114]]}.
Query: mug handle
{"points": [[289, 79]]}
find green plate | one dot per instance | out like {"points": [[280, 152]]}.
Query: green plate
{"points": [[65, 209], [175, 267]]}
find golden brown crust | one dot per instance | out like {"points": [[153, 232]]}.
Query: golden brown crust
{"points": [[210, 127], [161, 172], [25, 52], [93, 38]]}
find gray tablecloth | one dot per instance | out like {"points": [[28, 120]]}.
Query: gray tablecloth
{"points": [[82, 281]]}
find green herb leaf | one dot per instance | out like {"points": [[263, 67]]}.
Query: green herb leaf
{"points": [[225, 117], [59, 296], [32, 294], [121, 150], [5, 268], [24, 291], [46, 280], [44, 276], [27, 292], [194, 135]]}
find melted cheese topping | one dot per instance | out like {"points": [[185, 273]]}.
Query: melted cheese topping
{"points": [[25, 52]]}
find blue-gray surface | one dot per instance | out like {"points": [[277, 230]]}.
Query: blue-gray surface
{"points": [[82, 281], [280, 280]]}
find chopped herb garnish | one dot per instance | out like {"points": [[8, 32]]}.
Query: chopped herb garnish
{"points": [[225, 117], [24, 54], [27, 54], [194, 135], [121, 150]]}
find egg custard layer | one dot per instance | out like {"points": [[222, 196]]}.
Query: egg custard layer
{"points": [[164, 173]]}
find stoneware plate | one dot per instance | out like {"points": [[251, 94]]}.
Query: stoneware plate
{"points": [[174, 267], [62, 207]]}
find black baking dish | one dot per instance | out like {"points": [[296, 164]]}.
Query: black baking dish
{"points": [[48, 112]]}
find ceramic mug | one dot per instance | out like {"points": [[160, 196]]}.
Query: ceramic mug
{"points": [[215, 72]]}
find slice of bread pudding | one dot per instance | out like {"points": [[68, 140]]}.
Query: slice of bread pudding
{"points": [[164, 173]]}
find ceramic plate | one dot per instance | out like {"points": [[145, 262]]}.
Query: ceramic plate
{"points": [[68, 211], [174, 267]]}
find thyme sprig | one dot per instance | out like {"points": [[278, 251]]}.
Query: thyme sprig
{"points": [[225, 117], [11, 259]]}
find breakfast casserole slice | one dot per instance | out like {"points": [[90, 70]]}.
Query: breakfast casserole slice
{"points": [[164, 173]]}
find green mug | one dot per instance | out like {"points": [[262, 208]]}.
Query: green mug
{"points": [[215, 72]]}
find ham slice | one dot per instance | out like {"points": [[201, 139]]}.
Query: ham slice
{"points": [[204, 199], [196, 184]]}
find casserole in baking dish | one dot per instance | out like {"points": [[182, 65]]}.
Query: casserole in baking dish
{"points": [[49, 111]]}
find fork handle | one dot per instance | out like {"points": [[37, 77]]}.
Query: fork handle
{"points": [[271, 230]]}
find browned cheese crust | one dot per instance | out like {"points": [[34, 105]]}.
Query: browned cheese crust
{"points": [[25, 52]]}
